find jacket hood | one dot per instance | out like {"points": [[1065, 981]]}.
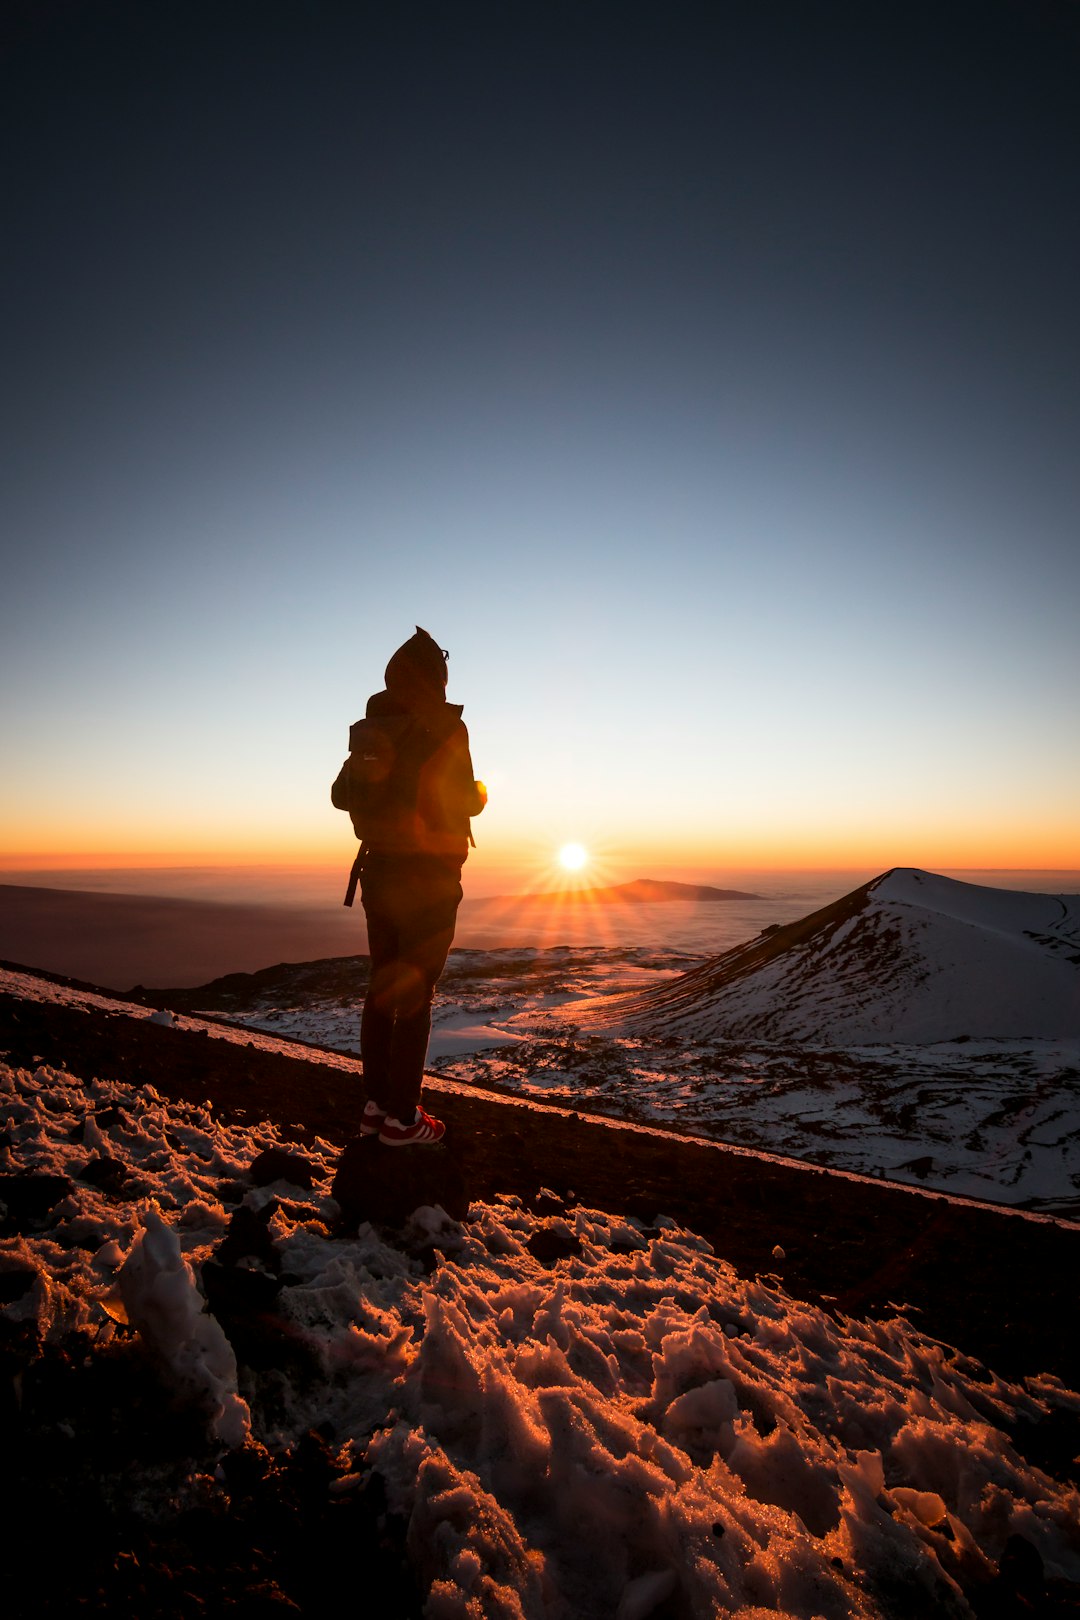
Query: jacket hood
{"points": [[417, 671]]}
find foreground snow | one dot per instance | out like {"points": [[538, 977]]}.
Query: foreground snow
{"points": [[628, 1426]]}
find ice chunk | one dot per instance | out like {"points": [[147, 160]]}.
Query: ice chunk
{"points": [[162, 1302], [926, 1506]]}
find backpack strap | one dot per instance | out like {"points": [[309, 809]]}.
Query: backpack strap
{"points": [[354, 875]]}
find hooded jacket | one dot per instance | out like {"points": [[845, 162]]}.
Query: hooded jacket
{"points": [[412, 752], [431, 790]]}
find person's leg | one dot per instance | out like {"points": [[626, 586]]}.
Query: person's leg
{"points": [[423, 958], [411, 906], [377, 1019], [425, 935]]}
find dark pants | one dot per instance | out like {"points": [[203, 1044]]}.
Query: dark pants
{"points": [[410, 902]]}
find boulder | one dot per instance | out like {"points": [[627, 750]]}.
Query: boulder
{"points": [[105, 1173], [26, 1199], [553, 1241], [249, 1238], [278, 1164], [385, 1184]]}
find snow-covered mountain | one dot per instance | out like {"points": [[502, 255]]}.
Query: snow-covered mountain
{"points": [[910, 957]]}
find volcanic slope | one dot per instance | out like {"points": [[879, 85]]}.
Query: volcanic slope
{"points": [[909, 957]]}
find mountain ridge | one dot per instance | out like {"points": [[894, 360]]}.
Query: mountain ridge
{"points": [[909, 956]]}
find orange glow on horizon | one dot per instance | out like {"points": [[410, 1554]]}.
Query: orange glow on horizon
{"points": [[527, 860], [564, 895]]}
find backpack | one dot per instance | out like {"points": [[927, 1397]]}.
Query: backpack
{"points": [[362, 786], [380, 780]]}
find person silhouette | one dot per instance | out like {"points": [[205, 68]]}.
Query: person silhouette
{"points": [[411, 752]]}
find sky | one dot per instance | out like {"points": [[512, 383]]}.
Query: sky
{"points": [[704, 377]]}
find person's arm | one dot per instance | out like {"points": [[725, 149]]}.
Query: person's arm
{"points": [[475, 794]]}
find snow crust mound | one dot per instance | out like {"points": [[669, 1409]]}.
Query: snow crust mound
{"points": [[911, 957]]}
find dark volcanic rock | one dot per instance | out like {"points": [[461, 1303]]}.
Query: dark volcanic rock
{"points": [[249, 1238], [920, 1167], [107, 1174], [29, 1198], [550, 1243], [234, 1290], [385, 1184], [15, 1283], [278, 1164]]}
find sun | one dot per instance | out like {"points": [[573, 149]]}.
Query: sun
{"points": [[573, 857]]}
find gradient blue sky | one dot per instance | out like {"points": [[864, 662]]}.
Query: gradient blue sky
{"points": [[704, 377]]}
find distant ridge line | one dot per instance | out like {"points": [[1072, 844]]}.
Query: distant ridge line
{"points": [[640, 891]]}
